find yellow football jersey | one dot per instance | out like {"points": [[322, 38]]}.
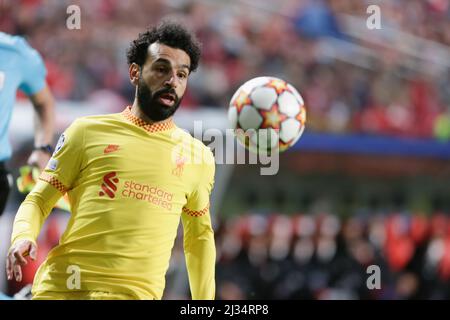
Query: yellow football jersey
{"points": [[129, 183]]}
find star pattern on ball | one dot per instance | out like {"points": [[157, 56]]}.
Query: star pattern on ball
{"points": [[242, 100], [272, 118], [284, 146], [301, 116], [279, 85]]}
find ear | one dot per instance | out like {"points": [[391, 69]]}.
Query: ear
{"points": [[134, 73]]}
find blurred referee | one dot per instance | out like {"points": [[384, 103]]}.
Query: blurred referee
{"points": [[21, 67]]}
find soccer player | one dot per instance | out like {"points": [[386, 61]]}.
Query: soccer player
{"points": [[21, 67], [130, 176]]}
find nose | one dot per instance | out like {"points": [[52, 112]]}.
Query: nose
{"points": [[171, 80]]}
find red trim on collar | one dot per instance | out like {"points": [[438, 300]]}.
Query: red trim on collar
{"points": [[150, 127]]}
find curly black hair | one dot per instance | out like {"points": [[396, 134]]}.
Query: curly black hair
{"points": [[169, 33]]}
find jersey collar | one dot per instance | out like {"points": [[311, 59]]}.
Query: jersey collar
{"points": [[149, 127]]}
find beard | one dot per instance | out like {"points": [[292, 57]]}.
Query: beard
{"points": [[149, 104]]}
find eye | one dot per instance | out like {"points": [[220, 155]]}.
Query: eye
{"points": [[182, 75], [161, 69]]}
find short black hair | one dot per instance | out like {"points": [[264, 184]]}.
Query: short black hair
{"points": [[169, 33]]}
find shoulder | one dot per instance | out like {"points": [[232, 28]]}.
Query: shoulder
{"points": [[79, 128], [29, 64], [19, 46], [196, 146], [26, 50], [12, 42], [90, 122]]}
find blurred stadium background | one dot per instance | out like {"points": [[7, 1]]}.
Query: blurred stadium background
{"points": [[368, 183]]}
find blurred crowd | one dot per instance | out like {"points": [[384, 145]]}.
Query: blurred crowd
{"points": [[323, 257], [310, 256], [245, 39]]}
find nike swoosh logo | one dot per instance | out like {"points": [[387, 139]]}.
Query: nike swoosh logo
{"points": [[111, 148]]}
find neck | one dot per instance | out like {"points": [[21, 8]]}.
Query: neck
{"points": [[137, 112]]}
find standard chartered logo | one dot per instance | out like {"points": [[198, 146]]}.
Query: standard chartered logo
{"points": [[135, 190], [109, 185], [145, 192]]}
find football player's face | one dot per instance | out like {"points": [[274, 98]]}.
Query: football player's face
{"points": [[162, 81]]}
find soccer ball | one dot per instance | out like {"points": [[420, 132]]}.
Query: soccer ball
{"points": [[267, 114]]}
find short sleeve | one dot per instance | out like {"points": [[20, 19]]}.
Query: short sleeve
{"points": [[65, 164], [32, 69]]}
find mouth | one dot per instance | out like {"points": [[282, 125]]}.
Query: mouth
{"points": [[167, 99]]}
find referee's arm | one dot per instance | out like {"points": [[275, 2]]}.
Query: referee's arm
{"points": [[43, 104]]}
